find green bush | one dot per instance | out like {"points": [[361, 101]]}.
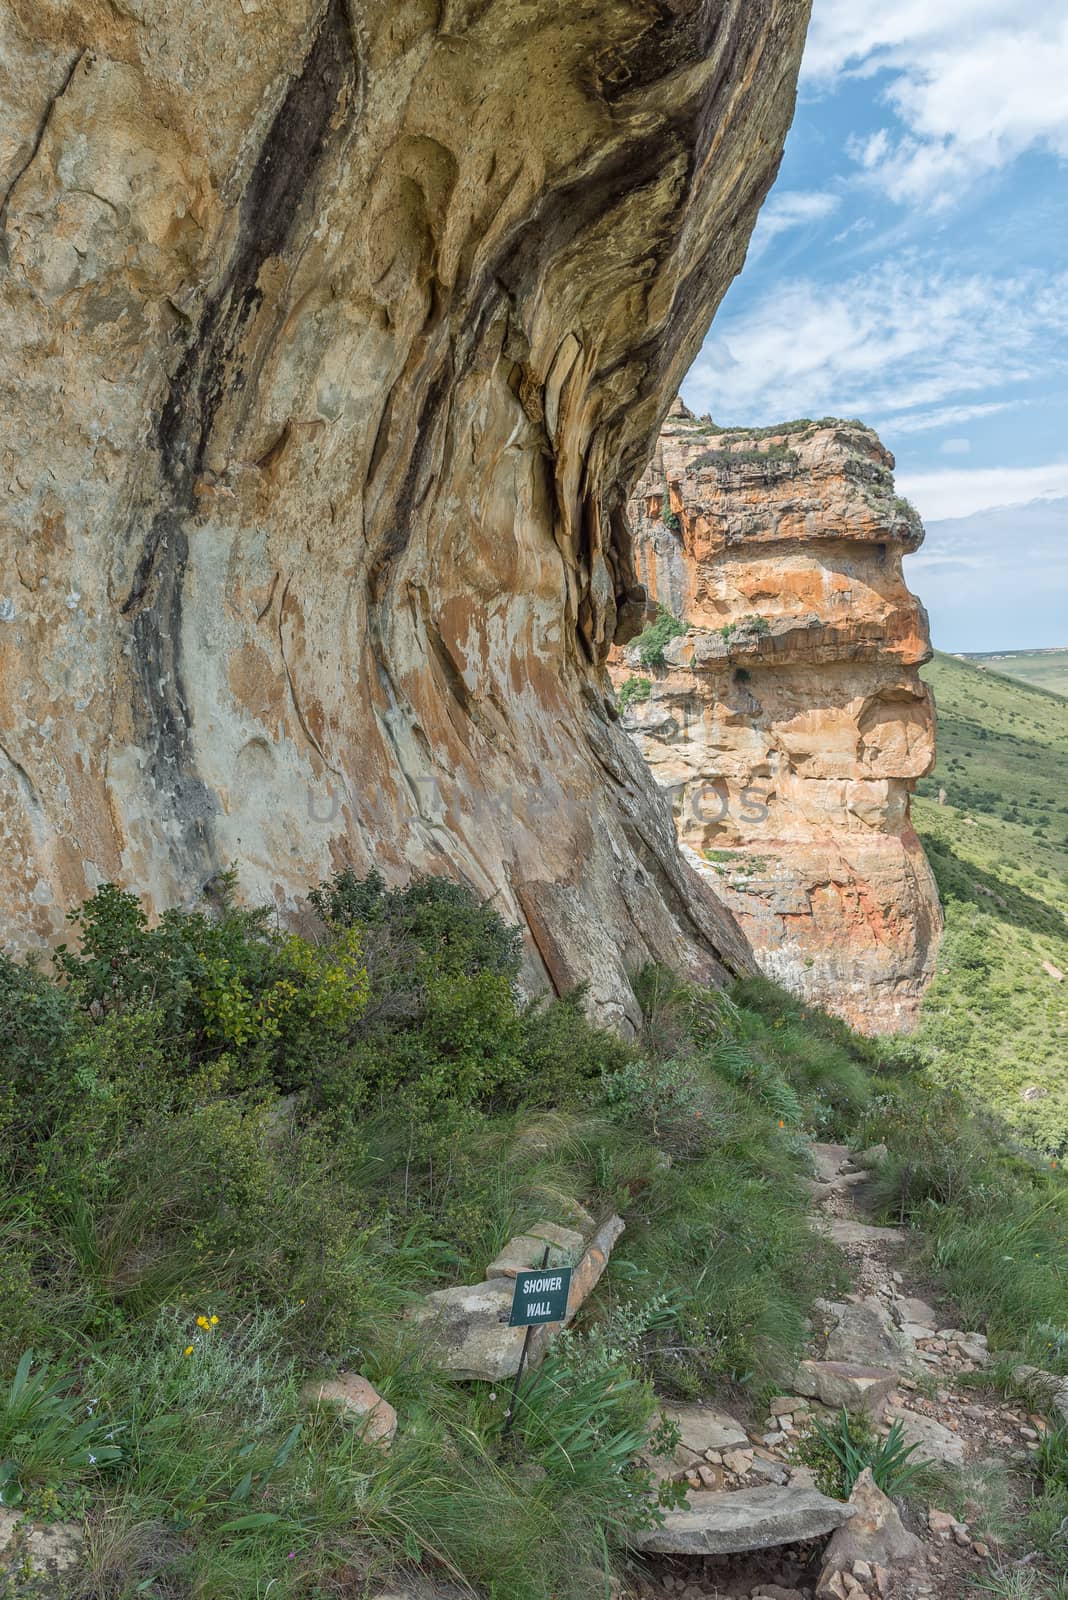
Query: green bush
{"points": [[653, 1091], [651, 641], [634, 691], [840, 1452], [50, 1439]]}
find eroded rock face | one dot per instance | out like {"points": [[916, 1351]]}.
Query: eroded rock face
{"points": [[335, 335], [790, 724]]}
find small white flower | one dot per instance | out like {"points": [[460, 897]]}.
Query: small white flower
{"points": [[92, 1459]]}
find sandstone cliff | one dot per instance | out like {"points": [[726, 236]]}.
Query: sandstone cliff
{"points": [[335, 335], [790, 724]]}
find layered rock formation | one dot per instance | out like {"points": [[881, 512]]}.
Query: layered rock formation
{"points": [[335, 335], [790, 723]]}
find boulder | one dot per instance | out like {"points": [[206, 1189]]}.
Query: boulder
{"points": [[357, 1401], [843, 910], [874, 1534], [933, 1441], [1046, 1388], [845, 1383], [906, 1309], [528, 1250], [747, 1519]]}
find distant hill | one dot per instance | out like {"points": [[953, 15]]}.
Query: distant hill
{"points": [[1045, 669], [996, 1017], [998, 577]]}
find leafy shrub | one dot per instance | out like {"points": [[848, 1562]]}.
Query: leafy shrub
{"points": [[651, 641], [840, 1451], [563, 1054], [220, 984], [654, 1091], [634, 691], [48, 1439], [671, 521], [434, 921], [776, 455], [40, 1027]]}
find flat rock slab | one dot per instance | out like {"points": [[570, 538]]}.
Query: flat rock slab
{"points": [[845, 1383], [828, 1160], [933, 1440], [843, 1230], [719, 1522], [528, 1250], [47, 1547], [862, 1334], [467, 1331], [908, 1310], [705, 1428]]}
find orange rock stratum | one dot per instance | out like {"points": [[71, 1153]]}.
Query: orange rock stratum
{"points": [[790, 724]]}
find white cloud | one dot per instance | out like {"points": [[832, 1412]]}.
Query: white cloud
{"points": [[790, 208], [861, 225], [955, 447], [974, 83], [900, 339], [961, 491], [941, 417], [997, 578]]}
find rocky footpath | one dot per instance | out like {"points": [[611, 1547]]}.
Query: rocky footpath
{"points": [[790, 724], [335, 336], [756, 1526]]}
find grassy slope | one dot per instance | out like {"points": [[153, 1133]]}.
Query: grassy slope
{"points": [[995, 1019], [1043, 669], [185, 1248]]}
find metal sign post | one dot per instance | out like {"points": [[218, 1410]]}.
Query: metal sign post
{"points": [[540, 1296]]}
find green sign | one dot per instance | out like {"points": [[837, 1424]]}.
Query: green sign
{"points": [[540, 1296]]}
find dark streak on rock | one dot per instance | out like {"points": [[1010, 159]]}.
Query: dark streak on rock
{"points": [[42, 129], [210, 369]]}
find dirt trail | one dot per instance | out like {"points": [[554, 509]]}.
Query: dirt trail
{"points": [[893, 1323]]}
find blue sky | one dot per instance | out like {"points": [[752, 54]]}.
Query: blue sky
{"points": [[910, 267]]}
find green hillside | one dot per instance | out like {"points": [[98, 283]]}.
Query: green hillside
{"points": [[1043, 669], [995, 1018]]}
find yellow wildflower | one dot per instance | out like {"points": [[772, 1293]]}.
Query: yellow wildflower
{"points": [[188, 1351], [214, 1320]]}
